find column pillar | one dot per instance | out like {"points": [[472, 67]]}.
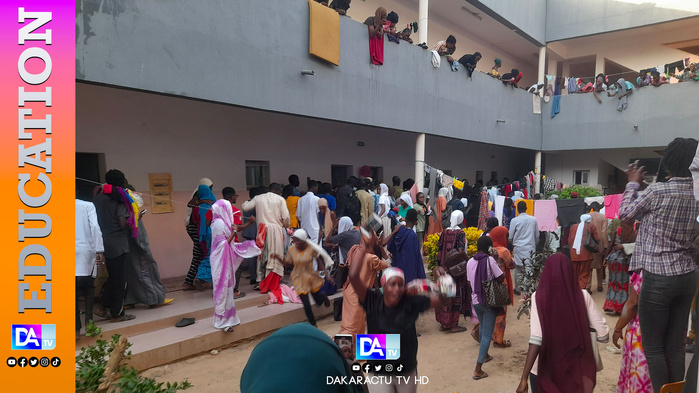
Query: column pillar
{"points": [[420, 162], [541, 78], [422, 22], [537, 172], [599, 65]]}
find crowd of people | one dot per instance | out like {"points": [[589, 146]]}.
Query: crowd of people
{"points": [[366, 238]]}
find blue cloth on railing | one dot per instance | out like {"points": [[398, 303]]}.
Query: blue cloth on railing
{"points": [[556, 106], [455, 66]]}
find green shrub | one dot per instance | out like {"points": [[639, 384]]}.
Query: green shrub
{"points": [[92, 361], [583, 192]]}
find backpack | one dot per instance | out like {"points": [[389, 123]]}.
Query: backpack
{"points": [[589, 241], [353, 207], [446, 216]]}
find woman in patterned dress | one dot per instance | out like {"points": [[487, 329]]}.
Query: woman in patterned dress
{"points": [[618, 262], [633, 376]]}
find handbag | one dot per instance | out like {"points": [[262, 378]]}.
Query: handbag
{"points": [[595, 350], [495, 293], [589, 240], [455, 263]]}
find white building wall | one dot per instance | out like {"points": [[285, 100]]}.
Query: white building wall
{"points": [[141, 133]]}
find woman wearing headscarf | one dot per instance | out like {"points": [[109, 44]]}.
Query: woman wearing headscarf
{"points": [[436, 215], [391, 311], [623, 90], [226, 257], [405, 203], [305, 278], [353, 315], [450, 239], [508, 212], [633, 374], [287, 352], [191, 222], [347, 237], [206, 199], [384, 201], [377, 26], [481, 268], [579, 254], [506, 263], [404, 248], [560, 356], [618, 261], [326, 219]]}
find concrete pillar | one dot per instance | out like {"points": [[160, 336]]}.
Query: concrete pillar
{"points": [[599, 65], [422, 22], [552, 67], [537, 172], [541, 78], [420, 162]]}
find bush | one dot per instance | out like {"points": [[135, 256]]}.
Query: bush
{"points": [[91, 363], [533, 266], [583, 192], [431, 246]]}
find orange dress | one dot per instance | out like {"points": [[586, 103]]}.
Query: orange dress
{"points": [[436, 216], [304, 278], [353, 314]]}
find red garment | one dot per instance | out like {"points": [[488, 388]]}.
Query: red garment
{"points": [[566, 362], [237, 219], [507, 190], [271, 284], [483, 213], [376, 49], [261, 235]]}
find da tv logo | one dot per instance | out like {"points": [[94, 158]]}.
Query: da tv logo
{"points": [[33, 337], [378, 346]]}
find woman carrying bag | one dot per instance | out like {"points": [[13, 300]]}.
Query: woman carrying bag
{"points": [[482, 271]]}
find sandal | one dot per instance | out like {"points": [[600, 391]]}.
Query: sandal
{"points": [[228, 329], [484, 375], [185, 322], [256, 287], [125, 317], [505, 344], [102, 313], [474, 334], [238, 295], [489, 358], [188, 287], [457, 329]]}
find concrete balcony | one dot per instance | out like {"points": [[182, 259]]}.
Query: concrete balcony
{"points": [[661, 114], [251, 53]]}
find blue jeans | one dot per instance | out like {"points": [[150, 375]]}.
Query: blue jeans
{"points": [[486, 317], [663, 310]]}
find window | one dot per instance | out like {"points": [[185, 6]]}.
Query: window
{"points": [[581, 177], [479, 177], [256, 174], [339, 174]]}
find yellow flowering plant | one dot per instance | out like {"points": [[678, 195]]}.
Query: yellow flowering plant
{"points": [[431, 245]]}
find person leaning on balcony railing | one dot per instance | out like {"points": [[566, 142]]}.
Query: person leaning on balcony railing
{"points": [[599, 86], [657, 80], [376, 23], [341, 6], [446, 48], [511, 78]]}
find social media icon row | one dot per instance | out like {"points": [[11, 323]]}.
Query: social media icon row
{"points": [[33, 361], [378, 367]]}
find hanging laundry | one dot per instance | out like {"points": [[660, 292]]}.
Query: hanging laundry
{"points": [[536, 105], [556, 106], [572, 86], [530, 206], [546, 212], [549, 85], [611, 205], [447, 181], [492, 193], [458, 184], [549, 185], [499, 207], [569, 211], [436, 59], [483, 213]]}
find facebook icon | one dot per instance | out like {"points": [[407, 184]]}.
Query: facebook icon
{"points": [[33, 337]]}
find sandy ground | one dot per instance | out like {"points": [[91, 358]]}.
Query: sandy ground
{"points": [[447, 359]]}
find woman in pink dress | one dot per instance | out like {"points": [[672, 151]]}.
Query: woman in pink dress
{"points": [[633, 376]]}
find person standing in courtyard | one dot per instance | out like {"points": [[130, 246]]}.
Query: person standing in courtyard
{"points": [[191, 222], [664, 248], [307, 212], [403, 246], [206, 199], [226, 257], [599, 221], [506, 262], [305, 279], [580, 255], [89, 252], [272, 217], [453, 238], [525, 236]]}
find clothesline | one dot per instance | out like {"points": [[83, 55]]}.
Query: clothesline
{"points": [[142, 193]]}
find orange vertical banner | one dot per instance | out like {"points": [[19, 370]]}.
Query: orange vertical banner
{"points": [[37, 164]]}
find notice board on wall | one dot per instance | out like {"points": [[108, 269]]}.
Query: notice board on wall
{"points": [[161, 192]]}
